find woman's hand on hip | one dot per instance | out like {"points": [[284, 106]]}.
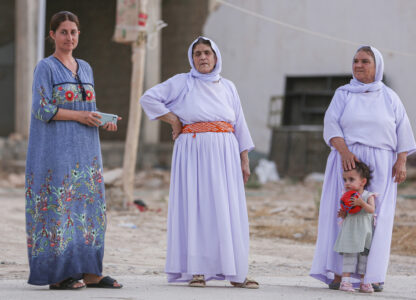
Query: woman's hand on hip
{"points": [[245, 165], [174, 121], [399, 168], [176, 128]]}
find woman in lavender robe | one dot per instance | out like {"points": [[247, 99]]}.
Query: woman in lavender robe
{"points": [[208, 234], [366, 121], [65, 198]]}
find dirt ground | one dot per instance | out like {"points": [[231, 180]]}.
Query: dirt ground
{"points": [[283, 225], [289, 210]]}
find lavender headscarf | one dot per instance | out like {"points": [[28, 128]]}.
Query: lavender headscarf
{"points": [[356, 86], [214, 75]]}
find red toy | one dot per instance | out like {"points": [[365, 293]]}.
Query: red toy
{"points": [[346, 202]]}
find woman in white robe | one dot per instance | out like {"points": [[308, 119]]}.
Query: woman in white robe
{"points": [[208, 234], [365, 121]]}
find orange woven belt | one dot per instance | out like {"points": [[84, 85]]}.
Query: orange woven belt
{"points": [[217, 126]]}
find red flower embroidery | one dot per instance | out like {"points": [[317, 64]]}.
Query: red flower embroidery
{"points": [[69, 95], [90, 95], [60, 88], [54, 101]]}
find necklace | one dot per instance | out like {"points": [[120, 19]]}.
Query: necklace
{"points": [[74, 74]]}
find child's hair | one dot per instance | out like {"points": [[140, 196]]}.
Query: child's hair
{"points": [[364, 171]]}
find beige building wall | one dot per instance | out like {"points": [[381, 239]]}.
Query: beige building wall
{"points": [[258, 55]]}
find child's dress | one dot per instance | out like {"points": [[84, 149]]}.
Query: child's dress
{"points": [[356, 232]]}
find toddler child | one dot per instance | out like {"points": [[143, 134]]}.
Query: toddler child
{"points": [[354, 238]]}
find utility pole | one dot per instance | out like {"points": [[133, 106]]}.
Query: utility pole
{"points": [[135, 34], [135, 116]]}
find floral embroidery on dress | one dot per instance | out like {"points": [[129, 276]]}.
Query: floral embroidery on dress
{"points": [[69, 92], [63, 93], [90, 95], [69, 95], [45, 105], [57, 212]]}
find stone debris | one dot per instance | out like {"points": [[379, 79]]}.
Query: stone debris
{"points": [[113, 177], [314, 178], [277, 210], [16, 180], [266, 171]]}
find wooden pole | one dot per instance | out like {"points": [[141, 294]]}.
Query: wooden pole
{"points": [[26, 12], [135, 112]]}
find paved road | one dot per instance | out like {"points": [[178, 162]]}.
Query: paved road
{"points": [[155, 287]]}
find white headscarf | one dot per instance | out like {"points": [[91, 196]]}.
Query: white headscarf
{"points": [[356, 86], [214, 75]]}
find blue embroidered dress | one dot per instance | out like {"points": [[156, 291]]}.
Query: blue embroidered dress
{"points": [[65, 200]]}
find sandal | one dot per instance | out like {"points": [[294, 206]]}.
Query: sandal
{"points": [[366, 288], [346, 287], [105, 283], [335, 283], [248, 284], [197, 281], [377, 287], [67, 284]]}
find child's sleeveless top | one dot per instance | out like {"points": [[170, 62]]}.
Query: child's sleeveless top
{"points": [[357, 231]]}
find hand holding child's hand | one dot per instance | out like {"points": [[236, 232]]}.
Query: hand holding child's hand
{"points": [[342, 214]]}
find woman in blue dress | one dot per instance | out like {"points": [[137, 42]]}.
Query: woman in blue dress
{"points": [[65, 198]]}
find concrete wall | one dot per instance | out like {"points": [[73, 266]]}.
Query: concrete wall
{"points": [[110, 61], [7, 84], [258, 55], [185, 19]]}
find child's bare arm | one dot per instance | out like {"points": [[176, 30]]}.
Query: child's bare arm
{"points": [[368, 206]]}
